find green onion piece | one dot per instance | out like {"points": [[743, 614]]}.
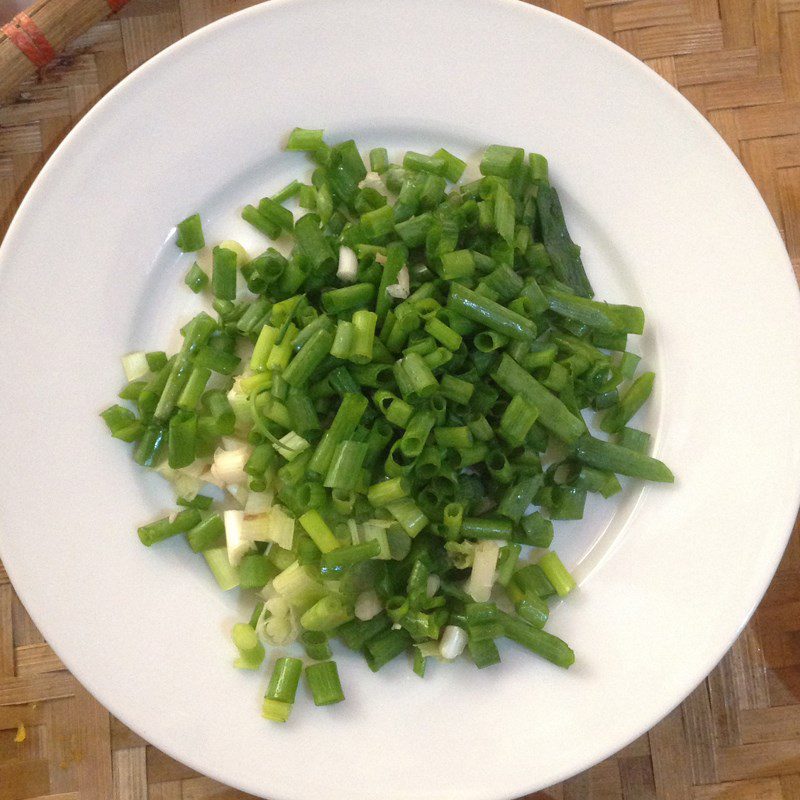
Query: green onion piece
{"points": [[254, 217], [419, 663], [567, 502], [342, 346], [196, 279], [275, 710], [384, 647], [595, 480], [411, 518], [421, 163], [378, 160], [483, 652], [453, 166], [486, 528], [316, 645], [323, 680], [318, 530], [537, 641], [223, 273], [557, 573], [501, 161], [190, 234], [255, 572], [538, 165], [507, 562], [226, 576], [378, 223], [206, 533], [308, 358], [479, 426], [613, 457], [305, 139], [217, 360], [290, 190], [182, 439], [453, 516], [156, 360], [311, 242], [517, 420], [337, 301], [167, 527], [351, 554], [326, 614], [444, 334], [396, 257], [200, 502], [284, 680], [518, 497], [276, 214], [343, 501], [343, 426], [490, 314], [504, 215], [458, 438], [421, 380], [122, 423], [532, 609], [634, 440], [538, 530], [553, 414], [457, 390], [356, 633], [413, 231], [148, 451], [388, 491], [616, 418], [499, 467], [532, 579], [345, 467], [561, 251], [219, 408], [364, 323], [193, 389], [628, 364], [397, 411], [604, 317], [251, 651]]}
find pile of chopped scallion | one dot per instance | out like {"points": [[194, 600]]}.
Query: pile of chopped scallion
{"points": [[391, 406]]}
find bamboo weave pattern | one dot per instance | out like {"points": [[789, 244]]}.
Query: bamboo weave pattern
{"points": [[737, 737]]}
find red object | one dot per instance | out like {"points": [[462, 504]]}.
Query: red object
{"points": [[116, 5], [27, 36]]}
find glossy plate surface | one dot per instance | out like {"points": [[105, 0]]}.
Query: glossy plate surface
{"points": [[667, 218]]}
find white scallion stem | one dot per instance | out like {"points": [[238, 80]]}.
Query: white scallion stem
{"points": [[481, 579], [402, 288], [348, 265], [368, 605], [454, 640], [228, 466], [237, 546], [135, 366]]}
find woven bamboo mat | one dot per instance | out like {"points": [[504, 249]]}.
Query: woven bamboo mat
{"points": [[737, 737]]}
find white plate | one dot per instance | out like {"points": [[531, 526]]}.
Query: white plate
{"points": [[666, 216]]}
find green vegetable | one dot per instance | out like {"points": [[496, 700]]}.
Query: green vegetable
{"points": [[393, 435]]}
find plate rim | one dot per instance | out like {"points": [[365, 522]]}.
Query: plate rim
{"points": [[211, 30]]}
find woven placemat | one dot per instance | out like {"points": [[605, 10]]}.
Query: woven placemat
{"points": [[737, 737]]}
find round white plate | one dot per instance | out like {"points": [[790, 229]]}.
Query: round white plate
{"points": [[667, 218]]}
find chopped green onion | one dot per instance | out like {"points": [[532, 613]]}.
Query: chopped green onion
{"points": [[408, 416], [190, 234], [323, 680]]}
